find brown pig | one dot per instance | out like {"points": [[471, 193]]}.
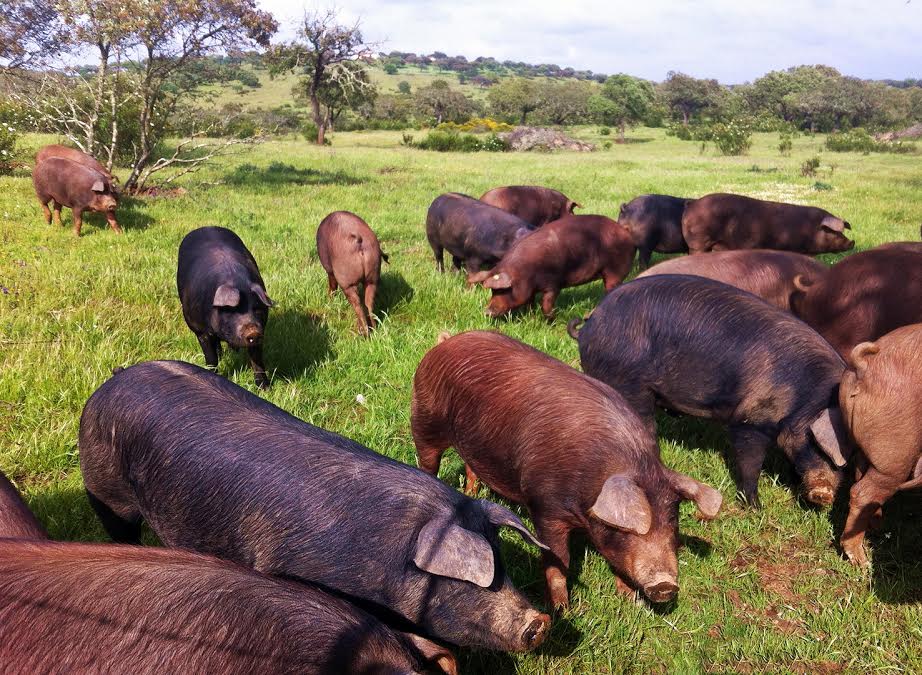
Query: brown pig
{"points": [[881, 398], [73, 155], [567, 252], [768, 274], [351, 255], [533, 204], [565, 445], [16, 520], [75, 186]]}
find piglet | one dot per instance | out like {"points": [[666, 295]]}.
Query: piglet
{"points": [[16, 520], [567, 252], [881, 397], [351, 255], [223, 296], [567, 446], [76, 186]]}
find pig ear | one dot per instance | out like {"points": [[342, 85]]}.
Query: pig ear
{"points": [[833, 223], [449, 550], [859, 356], [501, 516], [98, 186], [498, 281], [435, 654], [707, 499], [226, 296], [261, 294], [829, 432], [477, 277], [572, 206], [622, 504]]}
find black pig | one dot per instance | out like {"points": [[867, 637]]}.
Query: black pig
{"points": [[655, 224], [223, 297], [216, 469]]}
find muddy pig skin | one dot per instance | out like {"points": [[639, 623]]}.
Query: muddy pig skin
{"points": [[655, 224], [474, 234], [720, 222], [567, 252], [865, 296], [706, 349], [533, 204], [77, 187], [97, 608], [216, 469], [351, 255], [73, 155], [223, 296], [16, 520], [768, 274], [563, 444], [881, 398]]}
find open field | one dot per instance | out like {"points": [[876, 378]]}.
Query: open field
{"points": [[761, 591]]}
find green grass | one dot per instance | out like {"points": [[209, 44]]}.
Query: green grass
{"points": [[761, 591]]}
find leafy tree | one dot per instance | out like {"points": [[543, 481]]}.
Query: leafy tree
{"points": [[624, 101], [346, 87], [30, 32], [403, 87], [564, 102], [514, 98], [439, 101], [390, 68], [688, 97]]}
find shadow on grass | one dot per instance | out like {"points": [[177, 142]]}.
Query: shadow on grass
{"points": [[279, 174], [392, 291], [296, 343]]}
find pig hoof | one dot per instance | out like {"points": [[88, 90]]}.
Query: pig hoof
{"points": [[857, 557], [536, 632], [663, 591]]}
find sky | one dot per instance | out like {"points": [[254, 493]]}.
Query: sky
{"points": [[734, 41]]}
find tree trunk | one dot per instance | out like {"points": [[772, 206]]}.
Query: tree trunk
{"points": [[142, 155], [113, 107], [315, 101], [684, 117], [101, 71], [524, 114], [621, 129]]}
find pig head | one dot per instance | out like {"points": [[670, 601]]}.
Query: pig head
{"points": [[239, 313]]}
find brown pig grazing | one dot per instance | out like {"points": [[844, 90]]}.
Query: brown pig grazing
{"points": [[768, 274], [533, 204], [92, 608], [864, 296], [567, 252], [881, 398], [351, 255], [73, 155], [565, 445], [16, 520], [720, 222], [75, 186]]}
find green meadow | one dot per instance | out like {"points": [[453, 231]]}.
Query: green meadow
{"points": [[761, 591]]}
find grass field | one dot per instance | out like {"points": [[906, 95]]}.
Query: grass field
{"points": [[761, 591]]}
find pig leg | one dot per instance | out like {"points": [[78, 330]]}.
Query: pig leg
{"points": [[556, 536], [439, 253], [370, 292], [259, 369], [331, 284], [643, 257], [749, 449], [470, 484], [352, 296], [456, 263], [211, 349], [548, 298], [46, 211], [867, 497], [78, 220], [57, 214], [110, 218], [123, 527]]}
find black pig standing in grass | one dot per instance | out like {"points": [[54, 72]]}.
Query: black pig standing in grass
{"points": [[216, 469], [655, 224], [707, 349], [223, 297]]}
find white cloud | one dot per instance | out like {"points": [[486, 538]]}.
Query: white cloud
{"points": [[731, 40]]}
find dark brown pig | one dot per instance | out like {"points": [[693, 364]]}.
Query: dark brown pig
{"points": [[73, 155], [91, 608], [75, 186], [704, 348], [535, 205], [567, 446], [474, 234], [351, 255], [216, 469], [16, 520], [768, 274], [720, 222], [865, 296], [881, 397], [567, 252], [655, 224]]}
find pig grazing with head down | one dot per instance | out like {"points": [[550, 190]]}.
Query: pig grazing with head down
{"points": [[77, 187], [655, 224], [567, 252], [216, 469], [474, 234], [73, 155], [533, 204], [865, 296], [881, 397], [351, 255], [91, 608], [775, 276], [16, 520], [720, 222], [563, 444], [223, 296], [707, 349]]}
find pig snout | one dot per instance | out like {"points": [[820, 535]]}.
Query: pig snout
{"points": [[252, 334], [537, 628], [662, 588], [820, 486]]}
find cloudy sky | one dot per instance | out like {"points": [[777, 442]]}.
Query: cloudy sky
{"points": [[732, 40]]}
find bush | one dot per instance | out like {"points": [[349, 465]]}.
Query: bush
{"points": [[859, 140], [607, 145], [785, 143], [822, 187], [477, 125], [8, 137], [732, 138], [809, 167], [604, 131], [441, 140]]}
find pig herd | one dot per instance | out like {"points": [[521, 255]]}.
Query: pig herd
{"points": [[292, 549]]}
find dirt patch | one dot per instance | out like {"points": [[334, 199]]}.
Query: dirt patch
{"points": [[384, 170], [913, 132], [157, 191]]}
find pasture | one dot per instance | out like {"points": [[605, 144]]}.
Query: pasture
{"points": [[761, 591]]}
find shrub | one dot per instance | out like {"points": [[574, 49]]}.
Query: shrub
{"points": [[732, 138], [821, 186], [785, 143], [407, 140], [477, 125], [604, 131], [442, 140], [859, 140], [8, 137], [607, 145], [809, 167]]}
